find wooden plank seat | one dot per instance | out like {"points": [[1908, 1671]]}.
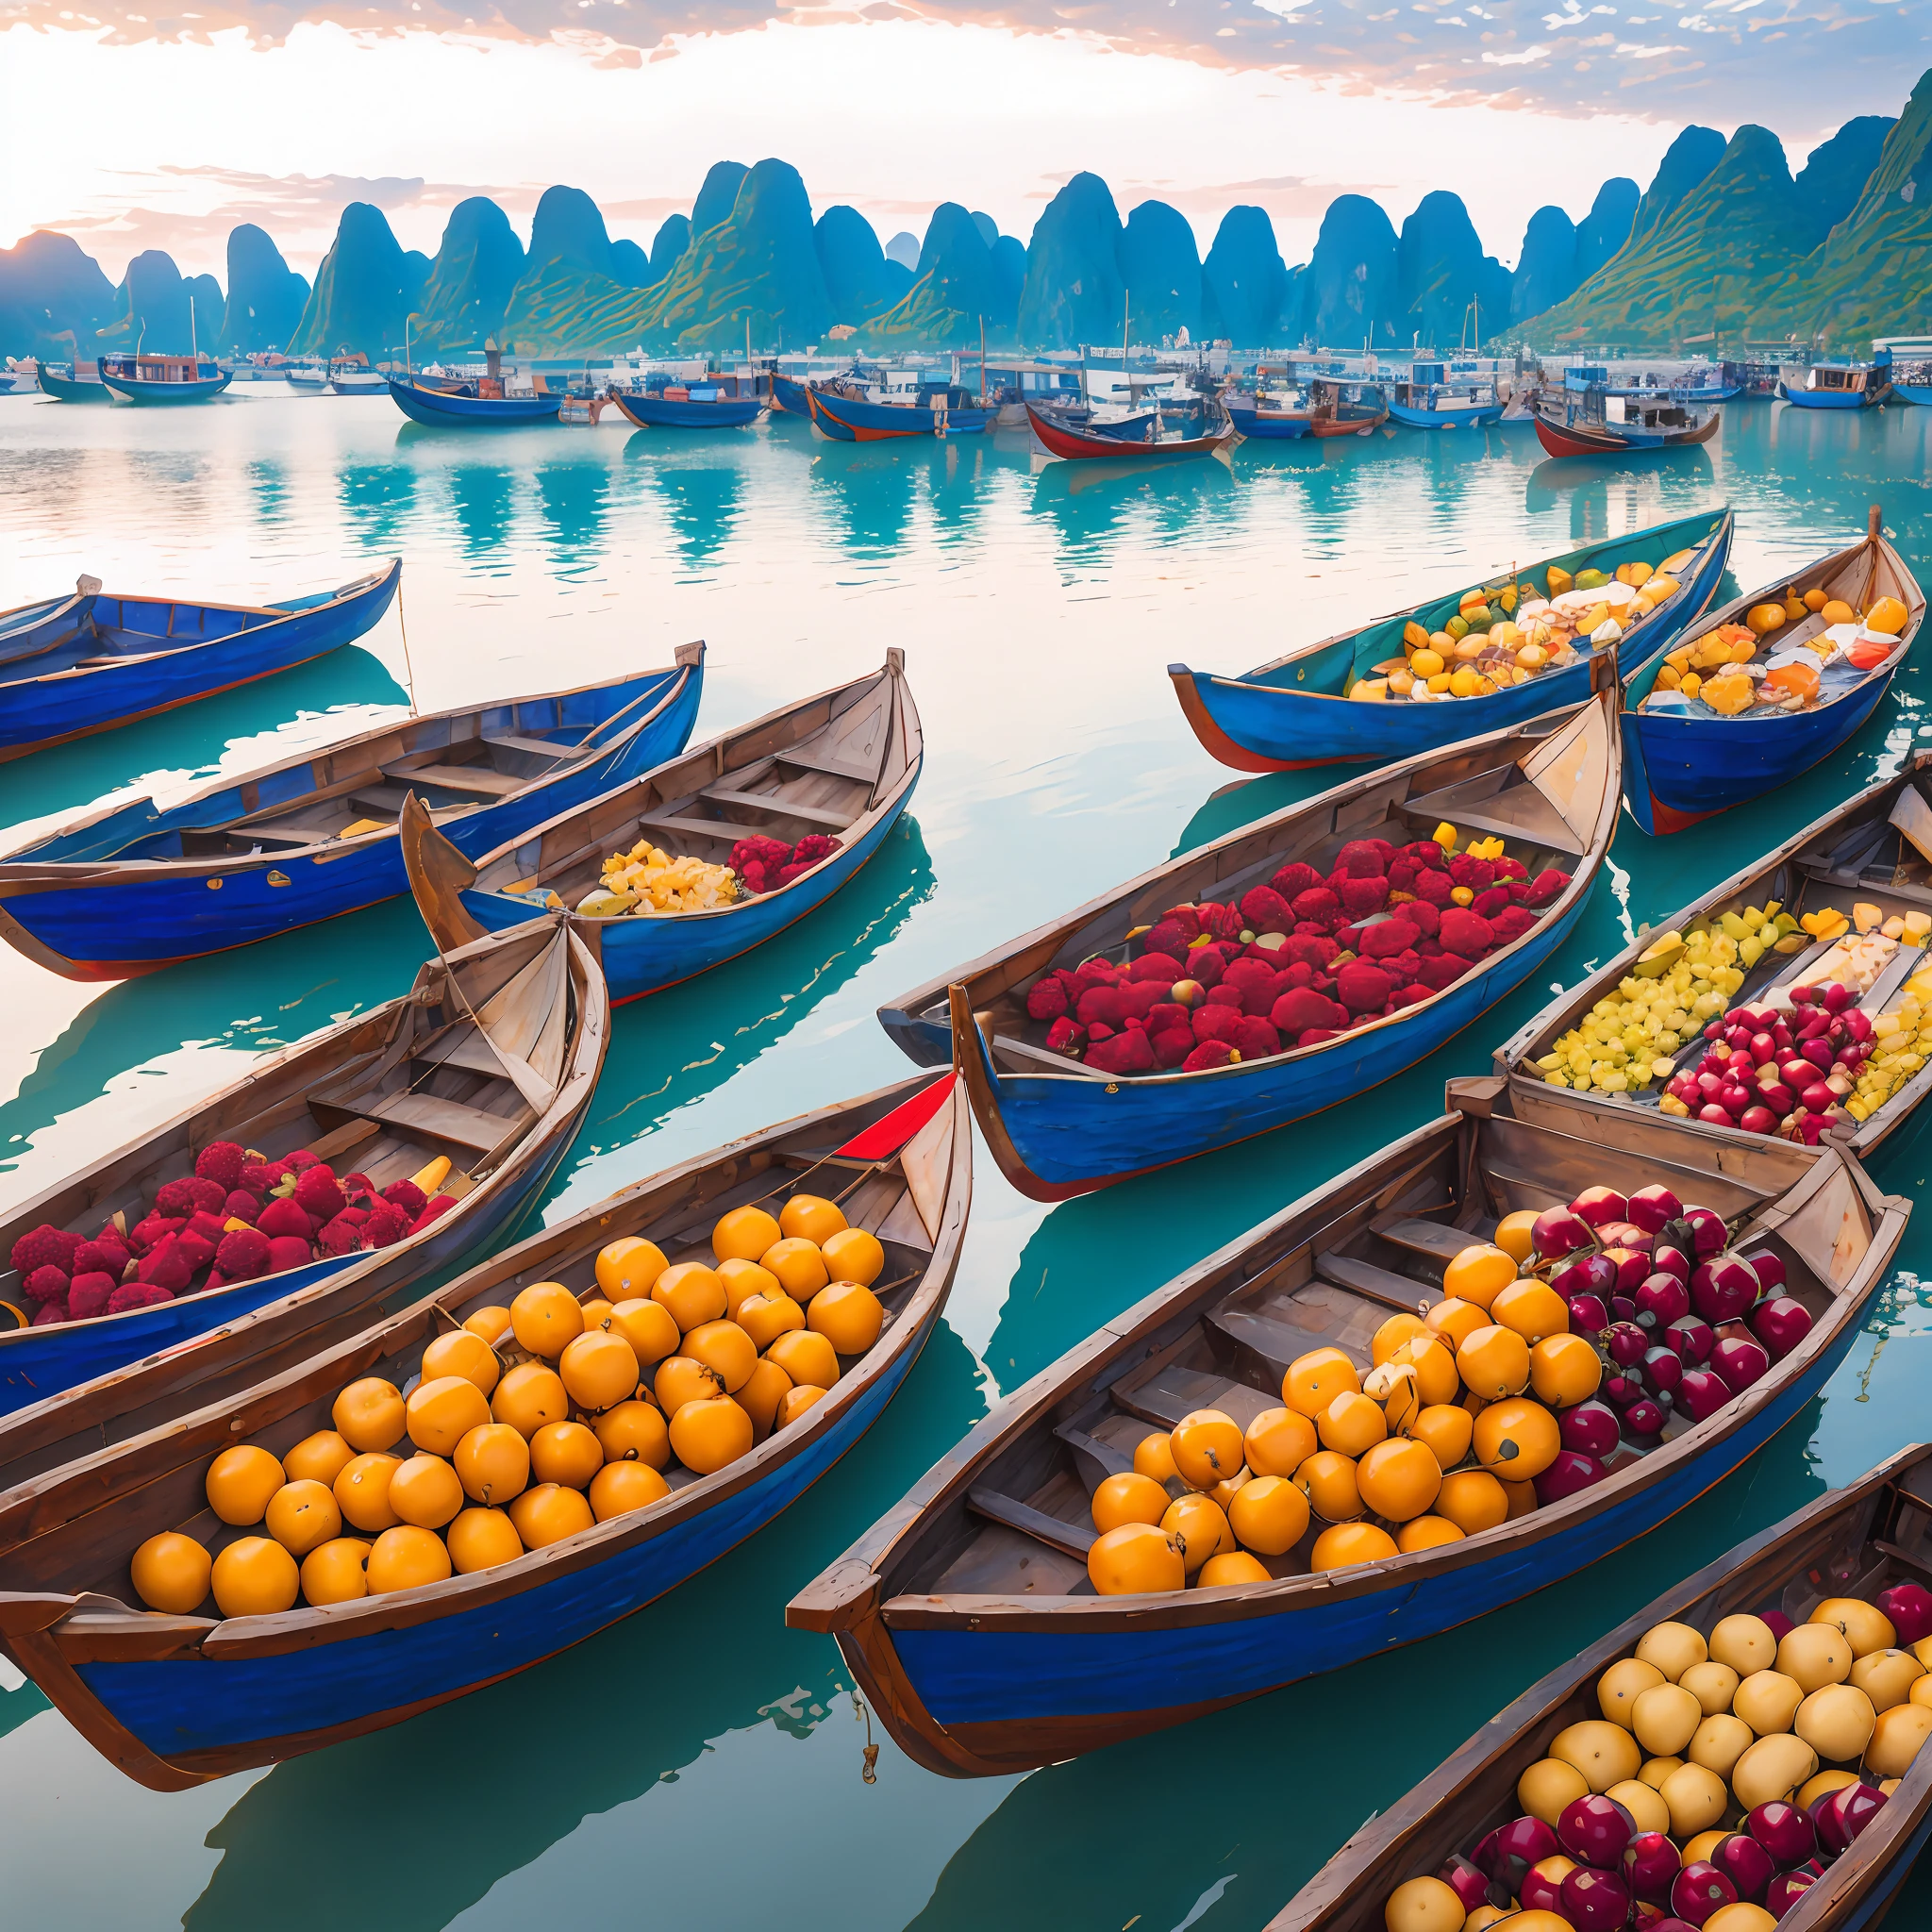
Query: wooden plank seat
{"points": [[721, 829], [290, 832], [461, 1047], [445, 1120], [1173, 1392], [779, 807], [1437, 1240], [478, 778], [1067, 1536], [543, 747], [1396, 1291]]}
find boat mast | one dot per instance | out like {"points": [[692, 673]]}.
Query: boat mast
{"points": [[982, 361]]}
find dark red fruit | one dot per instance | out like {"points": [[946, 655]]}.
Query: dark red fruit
{"points": [[1690, 1337], [1651, 1863], [1784, 1831], [1558, 1231], [1661, 1299], [1568, 1475], [1909, 1607], [1781, 1324], [1596, 1901], [1738, 1363], [1589, 1429], [1700, 1890], [1644, 1419], [1746, 1864], [1649, 1207], [1701, 1394]]}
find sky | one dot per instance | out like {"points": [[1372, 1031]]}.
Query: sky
{"points": [[133, 130]]}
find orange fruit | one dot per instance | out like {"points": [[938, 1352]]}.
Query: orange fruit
{"points": [[648, 1326], [1346, 1543], [1154, 1453], [1515, 1234], [805, 1357], [440, 1413], [765, 1317], [337, 1571], [1127, 1498], [1532, 1309], [1329, 1481], [707, 1434], [1235, 1566], [725, 1349], [425, 1492], [407, 1558], [493, 1464], [798, 1265], [1434, 1364], [255, 1577], [634, 1432], [619, 1486], [565, 1453], [1426, 1533], [762, 1396], [796, 1403], [1350, 1425], [1522, 1498], [481, 1539], [464, 1352], [1494, 1362], [810, 1218], [171, 1574], [744, 1279], [596, 1313], [545, 1317], [848, 1315], [598, 1370], [1200, 1525], [369, 1415], [853, 1254], [1136, 1560], [491, 1324], [1391, 1335], [685, 1379], [1516, 1438], [1268, 1514], [1207, 1448], [1445, 1431], [241, 1482], [361, 1491], [1315, 1379], [529, 1397], [692, 1293], [1398, 1479], [1564, 1370], [1453, 1320], [1478, 1274], [317, 1459], [1277, 1443], [627, 1267], [1472, 1500], [744, 1234], [549, 1513], [301, 1516]]}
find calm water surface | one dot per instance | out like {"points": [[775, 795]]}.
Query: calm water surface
{"points": [[700, 1762]]}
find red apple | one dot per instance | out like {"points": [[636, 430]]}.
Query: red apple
{"points": [[1596, 1901], [1780, 1323], [1746, 1864], [1590, 1428], [1644, 1419], [1570, 1475], [1599, 1205], [1909, 1607], [1558, 1231], [1690, 1337], [1699, 1890], [1723, 1287], [1701, 1394], [1649, 1207], [1651, 1864], [1784, 1831], [1769, 1270], [1738, 1363], [1661, 1299], [1588, 1315]]}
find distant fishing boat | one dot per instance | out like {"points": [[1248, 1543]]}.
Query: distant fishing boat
{"points": [[165, 379], [903, 402], [310, 377], [351, 376], [1843, 385], [717, 402], [790, 398], [1060, 439], [1431, 398], [1341, 407], [474, 403], [1266, 414], [1587, 417], [1754, 381], [77, 386], [1911, 368]]}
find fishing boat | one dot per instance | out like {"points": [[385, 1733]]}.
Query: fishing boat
{"points": [[1294, 711], [1587, 417], [310, 379], [1869, 858], [1911, 368], [175, 1701], [966, 1613], [1842, 385], [791, 398], [1338, 407], [1858, 1541], [1059, 1126], [79, 383], [716, 402], [1431, 398], [838, 767], [488, 1062], [1684, 762], [903, 402], [76, 665], [165, 379], [1264, 413], [351, 376], [1060, 439], [479, 403], [134, 887]]}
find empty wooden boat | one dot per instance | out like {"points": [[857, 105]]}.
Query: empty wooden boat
{"points": [[174, 1701], [133, 887], [837, 769], [488, 1062], [966, 1613], [73, 666], [1063, 439], [1870, 857], [1683, 760], [1854, 1541], [1059, 1126], [470, 404], [1295, 712]]}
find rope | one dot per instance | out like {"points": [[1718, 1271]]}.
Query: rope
{"points": [[408, 669]]}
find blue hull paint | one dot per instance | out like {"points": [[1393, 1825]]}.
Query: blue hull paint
{"points": [[1022, 1676], [644, 955], [1267, 427], [149, 922], [1832, 398], [1267, 725], [662, 412], [845, 421], [36, 710], [1917, 392], [131, 388], [791, 398], [469, 412], [1446, 419], [66, 388], [175, 1709]]}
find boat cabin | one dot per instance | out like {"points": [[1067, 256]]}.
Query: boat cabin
{"points": [[145, 368]]}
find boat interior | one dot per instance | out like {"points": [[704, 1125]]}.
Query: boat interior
{"points": [[93, 631], [1328, 1275]]}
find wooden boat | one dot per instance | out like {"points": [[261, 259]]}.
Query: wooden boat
{"points": [[165, 379], [1842, 385], [310, 379], [1431, 399], [852, 411], [75, 386], [132, 887], [1687, 764], [76, 665], [1588, 418], [1875, 848], [843, 763], [351, 376], [175, 1701], [1910, 370], [1338, 407], [1263, 414], [1857, 1541], [467, 405], [790, 398], [966, 1614], [660, 410], [1060, 439], [1058, 1128], [491, 1058], [1293, 712]]}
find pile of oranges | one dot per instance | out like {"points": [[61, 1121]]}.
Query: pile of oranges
{"points": [[1443, 1438], [531, 1422]]}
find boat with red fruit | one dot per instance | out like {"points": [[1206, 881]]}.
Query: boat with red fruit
{"points": [[983, 1630]]}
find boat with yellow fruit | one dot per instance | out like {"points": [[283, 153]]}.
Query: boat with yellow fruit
{"points": [[678, 869], [1283, 969], [1790, 1679], [579, 1425], [1769, 685], [1808, 973], [1516, 644], [1313, 1446]]}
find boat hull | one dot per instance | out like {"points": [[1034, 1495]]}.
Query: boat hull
{"points": [[65, 389], [791, 398], [1575, 440], [845, 421], [442, 412], [1060, 439], [1347, 426], [1919, 393], [1473, 418], [1270, 425], [131, 388], [661, 412], [1833, 398]]}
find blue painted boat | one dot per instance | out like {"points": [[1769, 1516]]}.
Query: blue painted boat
{"points": [[1843, 385], [1590, 417], [180, 1700], [966, 1613], [74, 387], [489, 1060], [164, 380], [853, 411], [1430, 398], [1874, 1530], [1683, 762], [841, 764], [133, 887], [1265, 417], [1058, 1126], [74, 666], [460, 405], [1293, 712], [791, 398], [654, 410]]}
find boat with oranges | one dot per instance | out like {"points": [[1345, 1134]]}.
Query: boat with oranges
{"points": [[1350, 932], [1846, 1550], [237, 1673], [979, 1616]]}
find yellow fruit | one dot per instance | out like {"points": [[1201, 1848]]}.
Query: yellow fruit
{"points": [[598, 1370], [1346, 1543], [596, 1312], [1837, 1722], [854, 1255], [1329, 1481], [848, 1315], [1395, 1390], [744, 1234], [1864, 1626], [1390, 1336], [1350, 1425], [361, 1491], [808, 1358], [1516, 1439], [1665, 1718], [1494, 1362], [1532, 1309], [1719, 1742], [462, 1353], [337, 1572], [1453, 1320], [1154, 1453], [1604, 1753], [481, 1539], [799, 1266], [692, 1293], [1672, 1648], [1445, 1431], [1746, 1643], [1696, 1797], [317, 1459], [548, 1513], [1621, 1684], [1472, 1500], [1765, 618], [1815, 1787], [1713, 1685], [1207, 1448], [1522, 1499], [369, 1415], [1268, 1514], [241, 1482], [1277, 1443], [255, 1577], [491, 1324], [1426, 1533], [762, 1396], [493, 1464], [796, 1402], [682, 1380], [707, 1434], [1477, 1273], [1642, 1803], [1425, 663], [1127, 1498], [171, 1574], [530, 1395], [620, 1487], [1136, 1560], [1547, 1786], [1423, 1905], [1771, 1767], [407, 1558], [301, 1516], [565, 1453], [1515, 1235], [744, 1279], [648, 1326], [633, 1432], [1896, 1739], [1887, 615], [764, 1318], [1767, 1701], [1564, 1370], [440, 1413], [1815, 1655], [1398, 1480], [425, 1493], [1886, 1676], [626, 1268], [1315, 1379], [545, 1317], [1836, 610]]}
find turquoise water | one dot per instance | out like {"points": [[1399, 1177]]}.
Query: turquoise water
{"points": [[700, 1762]]}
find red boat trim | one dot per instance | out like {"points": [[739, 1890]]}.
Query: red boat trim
{"points": [[820, 404], [1219, 746], [1665, 818], [1061, 442]]}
